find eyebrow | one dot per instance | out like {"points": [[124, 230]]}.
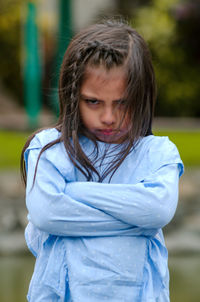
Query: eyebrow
{"points": [[96, 99], [85, 97]]}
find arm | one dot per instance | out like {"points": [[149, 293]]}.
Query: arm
{"points": [[56, 212], [148, 204]]}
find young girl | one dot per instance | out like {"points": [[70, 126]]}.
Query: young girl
{"points": [[100, 185]]}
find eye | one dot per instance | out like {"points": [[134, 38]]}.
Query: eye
{"points": [[121, 102], [92, 101]]}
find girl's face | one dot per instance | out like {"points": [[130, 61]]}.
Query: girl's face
{"points": [[101, 104]]}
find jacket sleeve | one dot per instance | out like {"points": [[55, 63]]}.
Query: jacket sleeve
{"points": [[150, 203], [52, 210]]}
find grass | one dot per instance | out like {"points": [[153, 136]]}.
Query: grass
{"points": [[11, 147], [12, 143], [188, 144]]}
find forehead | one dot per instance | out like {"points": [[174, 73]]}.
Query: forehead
{"points": [[104, 83], [101, 72]]}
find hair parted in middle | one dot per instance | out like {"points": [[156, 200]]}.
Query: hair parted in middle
{"points": [[108, 44]]}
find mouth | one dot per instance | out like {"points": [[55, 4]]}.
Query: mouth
{"points": [[108, 135], [107, 132]]}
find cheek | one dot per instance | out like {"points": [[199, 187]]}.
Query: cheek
{"points": [[83, 113], [126, 124], [87, 118]]}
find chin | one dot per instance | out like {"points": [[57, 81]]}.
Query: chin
{"points": [[110, 139]]}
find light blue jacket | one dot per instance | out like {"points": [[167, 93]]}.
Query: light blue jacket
{"points": [[97, 242]]}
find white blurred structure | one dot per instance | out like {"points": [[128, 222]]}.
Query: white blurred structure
{"points": [[83, 12]]}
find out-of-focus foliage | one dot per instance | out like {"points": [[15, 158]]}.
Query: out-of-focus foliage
{"points": [[10, 40], [172, 30], [171, 27]]}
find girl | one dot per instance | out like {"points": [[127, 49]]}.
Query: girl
{"points": [[100, 185]]}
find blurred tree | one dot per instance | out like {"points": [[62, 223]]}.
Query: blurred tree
{"points": [[174, 43], [171, 28], [10, 40], [187, 15], [128, 7]]}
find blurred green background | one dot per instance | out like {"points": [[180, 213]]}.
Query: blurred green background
{"points": [[171, 28], [33, 38], [183, 140]]}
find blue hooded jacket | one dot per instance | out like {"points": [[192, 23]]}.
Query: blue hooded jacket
{"points": [[100, 241]]}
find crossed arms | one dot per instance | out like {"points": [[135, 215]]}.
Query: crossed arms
{"points": [[64, 208]]}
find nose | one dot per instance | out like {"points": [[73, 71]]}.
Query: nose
{"points": [[108, 116]]}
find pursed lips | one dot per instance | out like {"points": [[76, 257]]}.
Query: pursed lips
{"points": [[107, 131]]}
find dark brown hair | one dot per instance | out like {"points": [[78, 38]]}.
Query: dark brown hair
{"points": [[110, 44]]}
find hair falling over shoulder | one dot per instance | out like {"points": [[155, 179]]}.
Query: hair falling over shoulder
{"points": [[111, 44]]}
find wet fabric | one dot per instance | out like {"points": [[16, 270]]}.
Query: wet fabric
{"points": [[100, 241]]}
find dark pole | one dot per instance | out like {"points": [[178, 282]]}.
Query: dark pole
{"points": [[65, 27], [32, 66], [64, 36]]}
